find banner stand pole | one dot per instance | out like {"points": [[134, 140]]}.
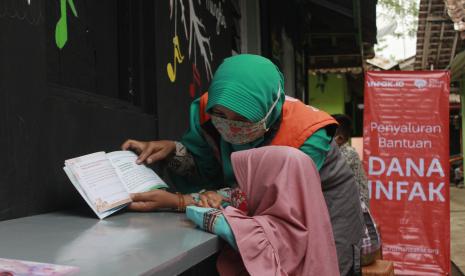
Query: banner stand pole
{"points": [[462, 113]]}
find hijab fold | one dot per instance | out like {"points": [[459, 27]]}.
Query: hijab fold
{"points": [[287, 230]]}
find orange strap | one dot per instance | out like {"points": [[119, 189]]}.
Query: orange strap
{"points": [[204, 116], [299, 122]]}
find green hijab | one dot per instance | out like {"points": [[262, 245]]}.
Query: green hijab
{"points": [[248, 85]]}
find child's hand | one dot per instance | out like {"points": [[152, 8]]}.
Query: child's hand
{"points": [[210, 199]]}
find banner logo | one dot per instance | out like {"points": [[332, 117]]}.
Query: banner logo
{"points": [[386, 84], [420, 83]]}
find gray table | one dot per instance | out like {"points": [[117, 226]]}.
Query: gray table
{"points": [[123, 244]]}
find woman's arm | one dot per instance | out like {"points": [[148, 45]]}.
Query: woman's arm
{"points": [[317, 147], [181, 162], [159, 199], [206, 164], [356, 165]]}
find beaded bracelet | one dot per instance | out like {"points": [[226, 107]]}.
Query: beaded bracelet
{"points": [[181, 203]]}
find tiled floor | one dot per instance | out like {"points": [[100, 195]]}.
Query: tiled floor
{"points": [[457, 226]]}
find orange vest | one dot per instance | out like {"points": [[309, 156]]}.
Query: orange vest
{"points": [[299, 122]]}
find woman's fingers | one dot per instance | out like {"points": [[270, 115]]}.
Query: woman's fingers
{"points": [[133, 144], [144, 149], [145, 196], [204, 201], [157, 156], [153, 200], [215, 203], [149, 150], [145, 202], [148, 196], [210, 200], [215, 199], [143, 206], [126, 145]]}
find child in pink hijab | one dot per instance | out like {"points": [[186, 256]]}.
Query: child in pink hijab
{"points": [[286, 229]]}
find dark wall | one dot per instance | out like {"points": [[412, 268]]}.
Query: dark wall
{"points": [[45, 116], [192, 74], [22, 78], [108, 83], [87, 61]]}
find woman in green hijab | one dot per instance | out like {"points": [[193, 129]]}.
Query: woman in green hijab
{"points": [[247, 94], [246, 108]]}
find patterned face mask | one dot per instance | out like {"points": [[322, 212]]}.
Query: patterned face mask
{"points": [[239, 132]]}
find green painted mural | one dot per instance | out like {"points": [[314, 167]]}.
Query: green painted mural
{"points": [[61, 30]]}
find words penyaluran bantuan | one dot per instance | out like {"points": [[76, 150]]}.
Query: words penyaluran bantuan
{"points": [[407, 128]]}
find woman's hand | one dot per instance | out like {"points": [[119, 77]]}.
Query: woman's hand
{"points": [[157, 199], [210, 199], [150, 151], [153, 200]]}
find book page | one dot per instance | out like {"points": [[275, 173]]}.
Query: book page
{"points": [[137, 178], [83, 194], [99, 181]]}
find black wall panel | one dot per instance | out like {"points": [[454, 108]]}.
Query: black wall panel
{"points": [[88, 60], [174, 97], [108, 83], [45, 116]]}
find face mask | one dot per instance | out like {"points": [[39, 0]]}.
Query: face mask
{"points": [[238, 132]]}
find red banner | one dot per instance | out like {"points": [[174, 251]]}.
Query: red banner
{"points": [[406, 157]]}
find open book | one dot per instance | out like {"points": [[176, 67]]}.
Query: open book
{"points": [[105, 180]]}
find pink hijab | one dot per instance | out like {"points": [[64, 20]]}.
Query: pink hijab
{"points": [[287, 230]]}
